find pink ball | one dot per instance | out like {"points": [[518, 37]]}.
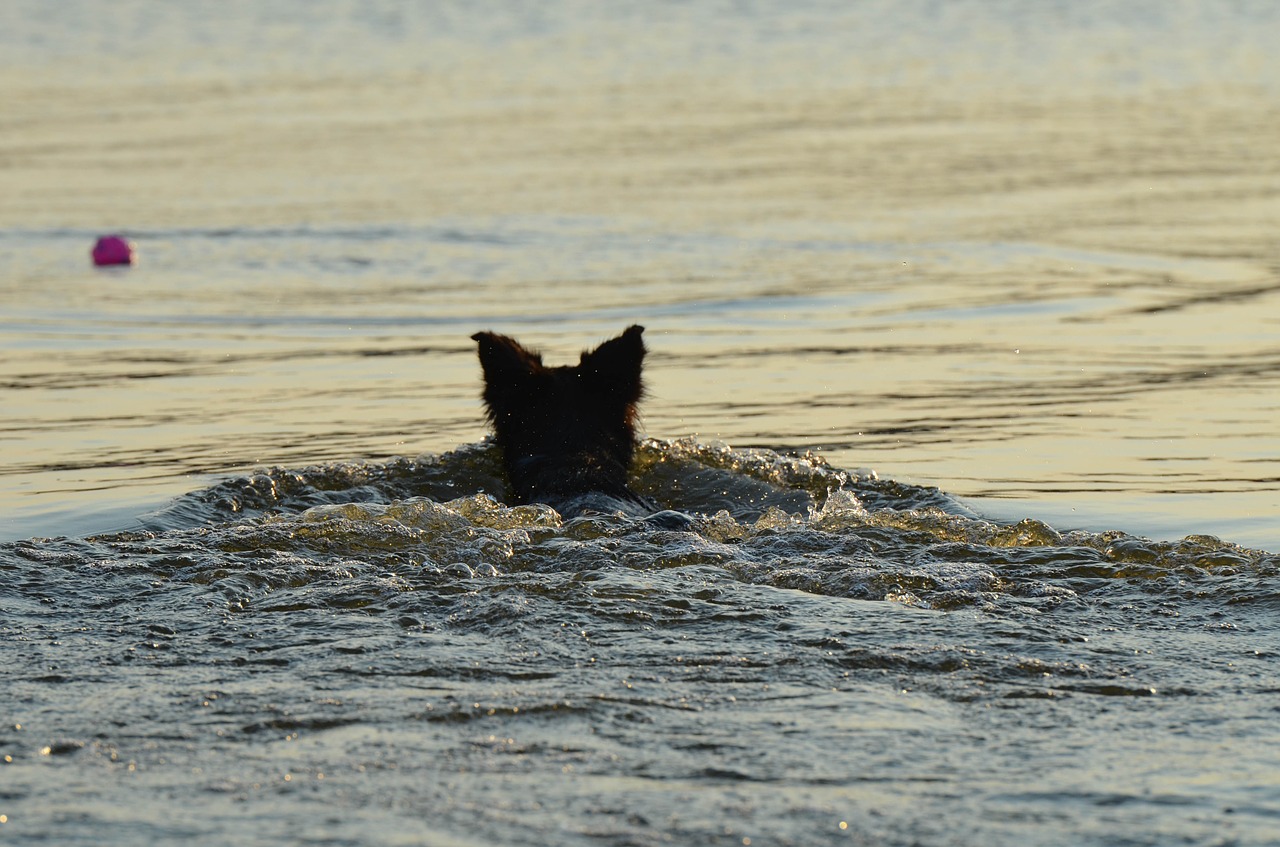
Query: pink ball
{"points": [[112, 250]]}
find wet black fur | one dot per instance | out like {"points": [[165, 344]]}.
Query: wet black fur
{"points": [[567, 433]]}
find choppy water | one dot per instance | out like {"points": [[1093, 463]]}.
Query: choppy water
{"points": [[377, 653], [256, 581]]}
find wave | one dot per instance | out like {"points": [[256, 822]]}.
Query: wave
{"points": [[362, 534]]}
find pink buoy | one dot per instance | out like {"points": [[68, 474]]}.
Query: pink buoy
{"points": [[112, 250]]}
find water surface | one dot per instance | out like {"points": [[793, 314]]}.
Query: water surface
{"points": [[982, 295]]}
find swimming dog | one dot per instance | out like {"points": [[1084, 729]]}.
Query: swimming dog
{"points": [[567, 433]]}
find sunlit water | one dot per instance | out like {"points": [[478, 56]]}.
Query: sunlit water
{"points": [[257, 584]]}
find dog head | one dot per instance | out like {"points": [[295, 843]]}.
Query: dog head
{"points": [[564, 430]]}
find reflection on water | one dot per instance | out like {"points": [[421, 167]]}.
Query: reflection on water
{"points": [[1018, 258], [1026, 254], [1093, 388]]}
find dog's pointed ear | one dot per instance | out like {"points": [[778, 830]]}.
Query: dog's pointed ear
{"points": [[503, 358], [615, 365]]}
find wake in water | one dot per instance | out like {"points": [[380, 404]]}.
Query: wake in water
{"points": [[817, 653], [790, 521]]}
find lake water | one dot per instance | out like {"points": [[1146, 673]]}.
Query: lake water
{"points": [[962, 323]]}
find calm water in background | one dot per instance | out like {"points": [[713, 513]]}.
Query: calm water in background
{"points": [[1026, 253]]}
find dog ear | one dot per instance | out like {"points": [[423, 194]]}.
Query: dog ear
{"points": [[504, 359], [614, 367]]}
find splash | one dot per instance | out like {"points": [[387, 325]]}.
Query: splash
{"points": [[760, 517]]}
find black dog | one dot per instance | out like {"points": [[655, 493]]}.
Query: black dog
{"points": [[567, 433]]}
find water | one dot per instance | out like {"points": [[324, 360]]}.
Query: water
{"points": [[337, 661], [1019, 259]]}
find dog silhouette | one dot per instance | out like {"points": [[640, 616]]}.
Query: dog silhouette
{"points": [[567, 433]]}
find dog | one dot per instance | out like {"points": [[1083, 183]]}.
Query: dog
{"points": [[568, 433]]}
